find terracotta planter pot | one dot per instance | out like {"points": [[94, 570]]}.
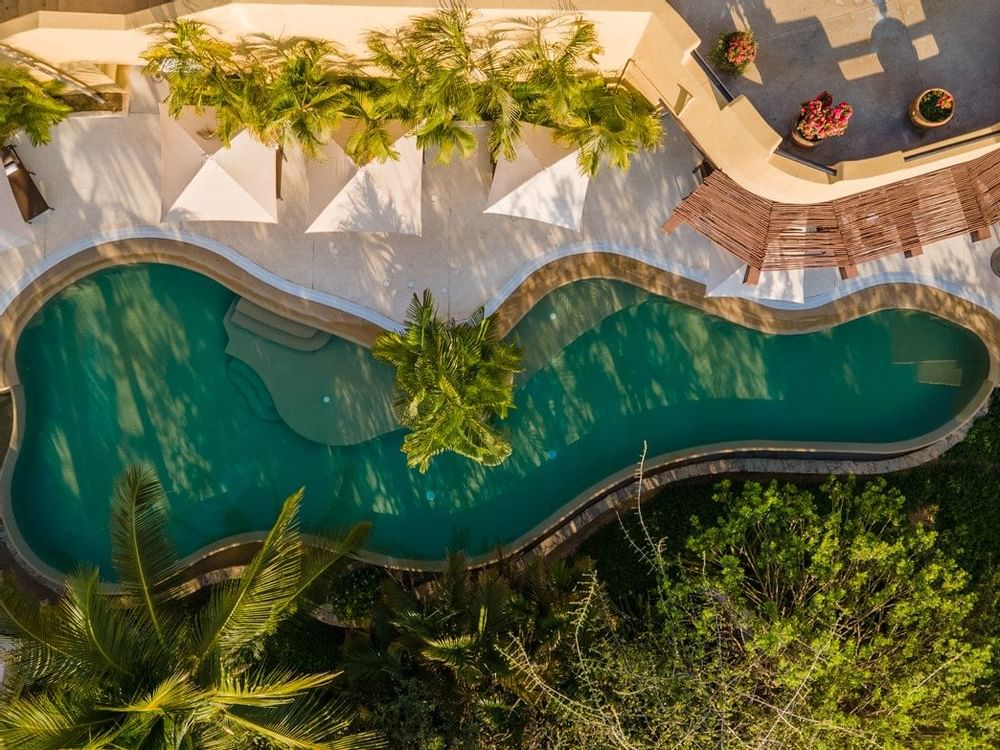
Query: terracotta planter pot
{"points": [[922, 122], [799, 139]]}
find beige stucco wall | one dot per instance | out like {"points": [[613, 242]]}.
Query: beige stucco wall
{"points": [[646, 38], [60, 37], [738, 140]]}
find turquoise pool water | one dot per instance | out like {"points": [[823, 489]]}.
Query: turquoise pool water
{"points": [[129, 365]]}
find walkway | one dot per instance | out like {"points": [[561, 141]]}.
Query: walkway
{"points": [[102, 175], [875, 54]]}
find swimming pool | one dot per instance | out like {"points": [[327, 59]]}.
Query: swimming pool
{"points": [[130, 365]]}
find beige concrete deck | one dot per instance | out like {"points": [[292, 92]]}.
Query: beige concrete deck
{"points": [[102, 175]]}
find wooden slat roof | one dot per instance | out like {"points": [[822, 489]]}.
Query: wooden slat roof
{"points": [[902, 217]]}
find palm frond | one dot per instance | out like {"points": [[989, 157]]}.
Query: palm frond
{"points": [[265, 689], [323, 558], [53, 721], [102, 637], [310, 724], [141, 549], [242, 612], [27, 104]]}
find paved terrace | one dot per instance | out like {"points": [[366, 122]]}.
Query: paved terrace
{"points": [[875, 54], [102, 175]]}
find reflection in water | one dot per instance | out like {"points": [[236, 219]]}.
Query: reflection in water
{"points": [[130, 365]]}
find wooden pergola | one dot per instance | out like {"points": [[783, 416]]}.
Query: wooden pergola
{"points": [[897, 218]]}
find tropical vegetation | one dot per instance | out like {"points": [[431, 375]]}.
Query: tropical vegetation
{"points": [[453, 381], [152, 666], [792, 620], [28, 105], [432, 77], [432, 668]]}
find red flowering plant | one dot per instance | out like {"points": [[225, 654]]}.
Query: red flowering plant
{"points": [[733, 52], [820, 119], [937, 105]]}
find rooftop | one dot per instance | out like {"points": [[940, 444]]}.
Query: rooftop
{"points": [[875, 54]]}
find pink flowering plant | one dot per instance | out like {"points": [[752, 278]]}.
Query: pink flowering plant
{"points": [[733, 52], [937, 105], [819, 119]]}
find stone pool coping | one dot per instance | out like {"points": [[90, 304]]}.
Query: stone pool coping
{"points": [[609, 494]]}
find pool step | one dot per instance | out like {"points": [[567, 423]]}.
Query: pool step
{"points": [[249, 384], [941, 372], [273, 327]]}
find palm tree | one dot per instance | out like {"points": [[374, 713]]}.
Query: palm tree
{"points": [[452, 381], [28, 105], [612, 123], [148, 669], [454, 638], [202, 71], [298, 95], [556, 57], [446, 70]]}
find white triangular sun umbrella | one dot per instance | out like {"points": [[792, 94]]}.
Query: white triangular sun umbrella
{"points": [[726, 273], [203, 180], [375, 197], [14, 231], [543, 182]]}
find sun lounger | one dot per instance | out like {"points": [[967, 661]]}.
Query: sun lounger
{"points": [[29, 198]]}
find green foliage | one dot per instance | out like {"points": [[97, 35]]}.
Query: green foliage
{"points": [[354, 593], [148, 668], [789, 622], [297, 91], [436, 74], [432, 667], [28, 105], [283, 91], [453, 380], [851, 620]]}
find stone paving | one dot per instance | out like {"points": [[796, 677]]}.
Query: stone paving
{"points": [[102, 175], [875, 54]]}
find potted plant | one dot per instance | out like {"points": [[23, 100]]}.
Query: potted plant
{"points": [[932, 109], [820, 119], [734, 52]]}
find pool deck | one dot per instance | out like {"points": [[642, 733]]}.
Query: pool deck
{"points": [[102, 175]]}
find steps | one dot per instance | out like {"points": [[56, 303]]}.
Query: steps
{"points": [[942, 372], [273, 327]]}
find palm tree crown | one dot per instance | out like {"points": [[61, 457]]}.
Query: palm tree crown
{"points": [[452, 381], [149, 669], [27, 104], [436, 74]]}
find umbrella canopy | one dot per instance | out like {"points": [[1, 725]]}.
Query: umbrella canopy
{"points": [[14, 232], [726, 272], [543, 182], [202, 180], [376, 197]]}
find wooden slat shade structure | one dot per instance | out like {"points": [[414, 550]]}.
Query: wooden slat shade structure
{"points": [[898, 218]]}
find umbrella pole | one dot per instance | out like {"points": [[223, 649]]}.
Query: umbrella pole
{"points": [[279, 157]]}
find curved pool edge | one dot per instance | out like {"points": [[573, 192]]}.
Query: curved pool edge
{"points": [[559, 272]]}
